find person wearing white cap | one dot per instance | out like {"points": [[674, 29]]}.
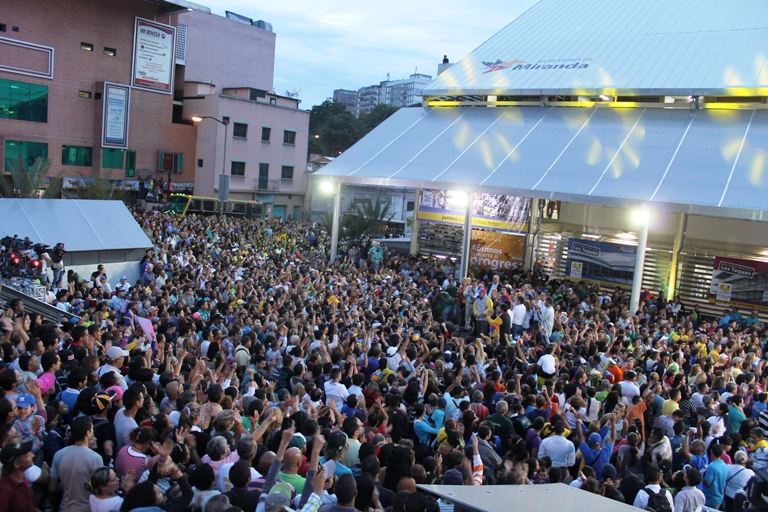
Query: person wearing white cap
{"points": [[123, 285], [115, 359]]}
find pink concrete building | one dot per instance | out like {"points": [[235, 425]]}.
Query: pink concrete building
{"points": [[229, 76]]}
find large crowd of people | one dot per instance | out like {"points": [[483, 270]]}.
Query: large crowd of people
{"points": [[243, 371]]}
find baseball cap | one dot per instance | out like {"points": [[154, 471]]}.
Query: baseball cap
{"points": [[391, 351], [453, 477], [297, 441], [123, 278], [68, 357], [337, 441], [102, 400], [279, 497], [11, 452], [330, 469], [115, 353], [595, 438], [25, 400], [118, 392], [46, 382]]}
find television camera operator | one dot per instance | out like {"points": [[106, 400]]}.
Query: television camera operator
{"points": [[57, 262]]}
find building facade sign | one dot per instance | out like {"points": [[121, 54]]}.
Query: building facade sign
{"points": [[115, 116], [153, 56], [602, 262], [741, 283]]}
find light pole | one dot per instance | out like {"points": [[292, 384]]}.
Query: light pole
{"points": [[328, 188], [223, 181], [641, 218]]}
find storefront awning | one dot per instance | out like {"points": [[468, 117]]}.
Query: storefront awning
{"points": [[708, 162]]}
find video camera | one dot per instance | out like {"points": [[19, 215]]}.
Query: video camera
{"points": [[15, 258]]}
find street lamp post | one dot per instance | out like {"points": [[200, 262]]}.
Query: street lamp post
{"points": [[223, 182]]}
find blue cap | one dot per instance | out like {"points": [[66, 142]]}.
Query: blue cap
{"points": [[595, 438], [25, 400]]}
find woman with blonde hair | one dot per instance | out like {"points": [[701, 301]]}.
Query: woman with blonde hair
{"points": [[103, 486]]}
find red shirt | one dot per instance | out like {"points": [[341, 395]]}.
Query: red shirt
{"points": [[23, 498]]}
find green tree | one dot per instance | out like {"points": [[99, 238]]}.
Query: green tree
{"points": [[369, 219], [29, 182]]}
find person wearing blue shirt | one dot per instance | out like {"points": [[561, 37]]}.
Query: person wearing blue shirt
{"points": [[760, 404], [422, 427], [593, 452], [726, 319], [438, 415], [715, 477]]}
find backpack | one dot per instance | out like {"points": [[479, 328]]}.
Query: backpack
{"points": [[658, 500]]}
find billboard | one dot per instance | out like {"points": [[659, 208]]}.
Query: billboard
{"points": [[153, 59], [602, 262], [491, 250], [115, 115], [489, 211], [739, 283]]}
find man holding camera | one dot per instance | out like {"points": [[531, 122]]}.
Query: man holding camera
{"points": [[57, 263]]}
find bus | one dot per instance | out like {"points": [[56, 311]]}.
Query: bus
{"points": [[182, 204]]}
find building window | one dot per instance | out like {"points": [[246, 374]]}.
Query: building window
{"points": [[23, 101], [409, 206], [237, 169], [266, 132], [289, 137], [86, 46], [199, 162], [27, 152], [110, 51], [273, 101], [170, 162], [240, 130], [130, 164], [77, 155], [287, 173], [225, 119], [84, 94], [112, 158]]}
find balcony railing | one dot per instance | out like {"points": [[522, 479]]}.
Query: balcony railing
{"points": [[266, 184]]}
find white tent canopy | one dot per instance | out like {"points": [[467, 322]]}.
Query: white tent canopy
{"points": [[83, 225], [620, 47], [708, 162]]}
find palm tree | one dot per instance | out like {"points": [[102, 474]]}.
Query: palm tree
{"points": [[30, 182], [100, 187], [371, 219]]}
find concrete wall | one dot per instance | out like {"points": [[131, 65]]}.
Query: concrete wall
{"points": [[63, 25], [228, 53]]}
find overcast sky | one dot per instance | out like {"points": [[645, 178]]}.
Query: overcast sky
{"points": [[324, 45]]}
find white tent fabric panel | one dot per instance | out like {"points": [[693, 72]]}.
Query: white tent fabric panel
{"points": [[83, 225], [711, 162]]}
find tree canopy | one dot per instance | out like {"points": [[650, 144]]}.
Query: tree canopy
{"points": [[333, 130]]}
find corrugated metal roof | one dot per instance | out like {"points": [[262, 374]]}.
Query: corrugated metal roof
{"points": [[83, 225], [653, 47], [711, 162]]}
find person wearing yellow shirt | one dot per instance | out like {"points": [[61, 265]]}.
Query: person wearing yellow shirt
{"points": [[671, 405]]}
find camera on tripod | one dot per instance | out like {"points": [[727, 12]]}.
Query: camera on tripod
{"points": [[21, 257]]}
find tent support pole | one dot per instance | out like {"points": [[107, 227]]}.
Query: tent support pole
{"points": [[637, 280]]}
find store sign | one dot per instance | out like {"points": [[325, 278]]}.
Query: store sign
{"points": [[70, 183], [115, 116], [491, 250], [153, 56], [739, 283], [489, 211], [601, 262], [183, 187]]}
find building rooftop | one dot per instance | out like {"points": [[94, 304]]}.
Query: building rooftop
{"points": [[176, 6], [620, 47]]}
